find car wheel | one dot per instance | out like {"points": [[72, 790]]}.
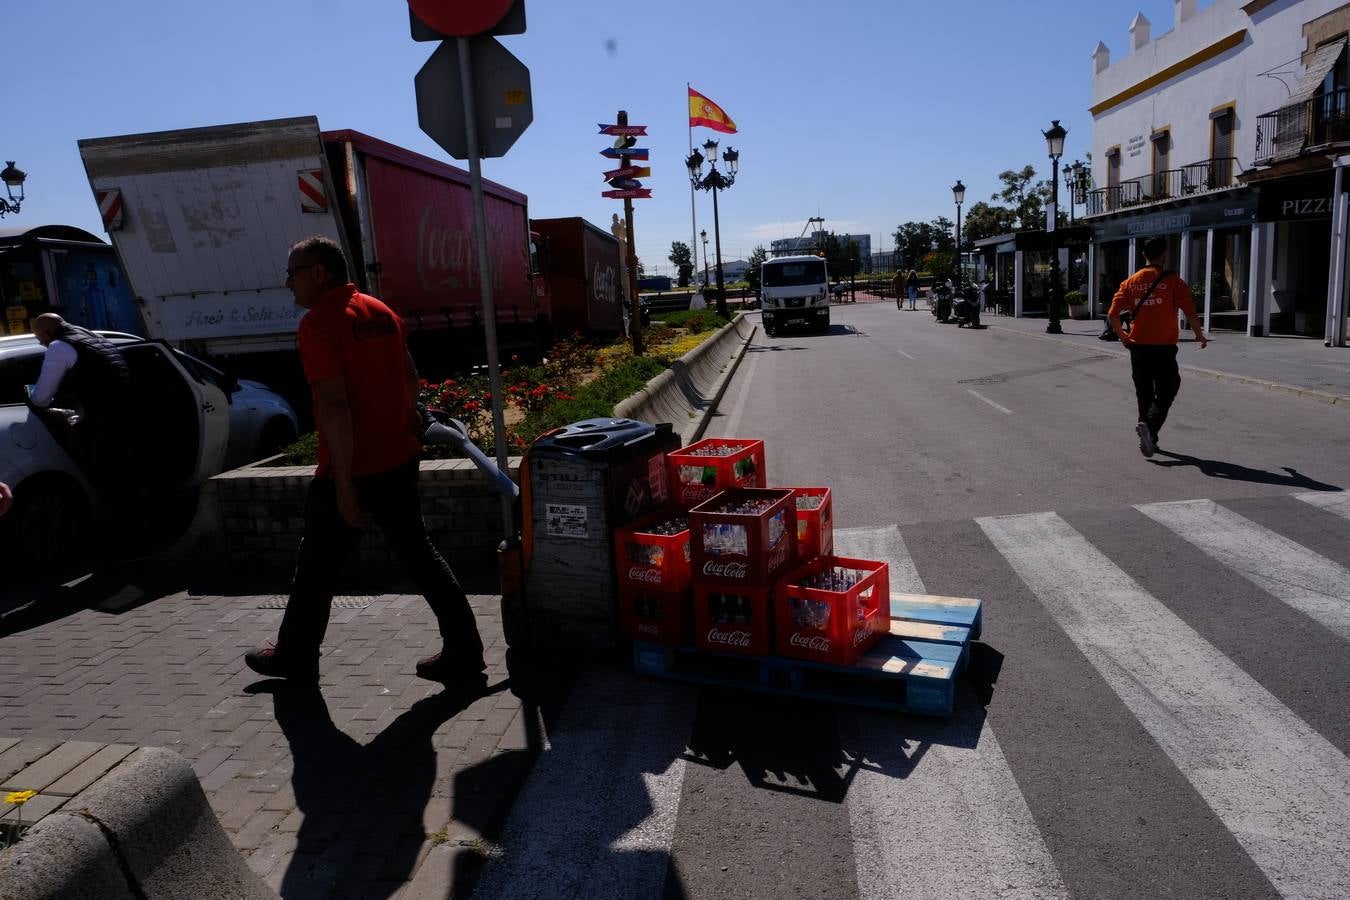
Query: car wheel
{"points": [[48, 526], [277, 435]]}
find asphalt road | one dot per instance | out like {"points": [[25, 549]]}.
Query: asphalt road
{"points": [[1157, 706]]}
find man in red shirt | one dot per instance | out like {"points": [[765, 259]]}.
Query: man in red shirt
{"points": [[364, 387], [1153, 297]]}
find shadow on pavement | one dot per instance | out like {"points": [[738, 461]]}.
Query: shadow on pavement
{"points": [[362, 804], [1233, 472]]}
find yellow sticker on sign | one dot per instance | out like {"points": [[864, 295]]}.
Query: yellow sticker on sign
{"points": [[515, 98]]}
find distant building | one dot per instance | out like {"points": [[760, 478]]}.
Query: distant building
{"points": [[816, 240]]}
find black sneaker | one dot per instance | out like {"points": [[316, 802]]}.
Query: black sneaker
{"points": [[1147, 444], [266, 661], [451, 672]]}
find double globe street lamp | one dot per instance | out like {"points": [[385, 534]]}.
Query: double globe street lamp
{"points": [[715, 181], [1054, 145], [13, 178]]}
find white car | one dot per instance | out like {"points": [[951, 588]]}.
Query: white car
{"points": [[187, 415]]}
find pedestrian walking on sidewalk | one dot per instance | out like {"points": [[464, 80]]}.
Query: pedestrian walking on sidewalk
{"points": [[1153, 296], [364, 387], [912, 287]]}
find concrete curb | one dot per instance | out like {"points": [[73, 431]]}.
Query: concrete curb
{"points": [[688, 392], [145, 830], [1293, 390]]}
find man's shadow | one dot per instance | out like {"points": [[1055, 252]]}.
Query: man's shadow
{"points": [[1233, 472], [359, 800]]}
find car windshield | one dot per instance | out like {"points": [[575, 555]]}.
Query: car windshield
{"points": [[16, 372], [787, 274]]}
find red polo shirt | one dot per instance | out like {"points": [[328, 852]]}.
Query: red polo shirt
{"points": [[355, 337]]}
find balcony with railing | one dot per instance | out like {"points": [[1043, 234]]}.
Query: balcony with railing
{"points": [[1301, 128], [1171, 184]]}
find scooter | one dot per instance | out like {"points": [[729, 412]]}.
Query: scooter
{"points": [[966, 309], [941, 303]]}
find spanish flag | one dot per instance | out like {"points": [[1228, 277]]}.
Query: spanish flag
{"points": [[703, 111]]}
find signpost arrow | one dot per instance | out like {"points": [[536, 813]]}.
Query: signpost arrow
{"points": [[624, 130], [624, 183], [628, 194], [502, 102], [626, 153], [629, 172]]}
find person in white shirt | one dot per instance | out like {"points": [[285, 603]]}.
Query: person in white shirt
{"points": [[59, 359]]}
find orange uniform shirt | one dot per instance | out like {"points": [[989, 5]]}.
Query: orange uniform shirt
{"points": [[355, 337], [1156, 320]]}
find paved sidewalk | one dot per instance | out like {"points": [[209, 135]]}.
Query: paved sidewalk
{"points": [[377, 783], [1299, 366]]}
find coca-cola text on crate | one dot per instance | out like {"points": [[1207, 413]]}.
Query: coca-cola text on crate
{"points": [[706, 467], [733, 619]]}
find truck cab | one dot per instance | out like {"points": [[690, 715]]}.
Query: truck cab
{"points": [[795, 291]]}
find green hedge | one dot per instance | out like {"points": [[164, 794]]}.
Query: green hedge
{"points": [[696, 320]]}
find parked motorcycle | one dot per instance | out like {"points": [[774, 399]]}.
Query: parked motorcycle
{"points": [[941, 303], [966, 308]]}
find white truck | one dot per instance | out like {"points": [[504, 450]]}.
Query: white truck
{"points": [[794, 290]]}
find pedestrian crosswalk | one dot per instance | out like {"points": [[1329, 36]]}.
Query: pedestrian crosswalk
{"points": [[1137, 742]]}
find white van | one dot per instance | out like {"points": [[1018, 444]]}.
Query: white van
{"points": [[794, 290]]}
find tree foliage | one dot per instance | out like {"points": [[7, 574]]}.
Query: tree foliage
{"points": [[915, 240], [756, 267], [986, 220], [683, 259]]}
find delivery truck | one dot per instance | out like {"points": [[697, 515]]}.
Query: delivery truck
{"points": [[202, 219], [583, 276]]}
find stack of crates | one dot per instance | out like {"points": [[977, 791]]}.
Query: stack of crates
{"points": [[655, 578], [742, 539]]}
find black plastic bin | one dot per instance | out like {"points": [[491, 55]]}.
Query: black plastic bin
{"points": [[585, 480]]}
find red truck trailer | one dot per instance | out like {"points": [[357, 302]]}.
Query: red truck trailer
{"points": [[584, 267], [202, 218]]}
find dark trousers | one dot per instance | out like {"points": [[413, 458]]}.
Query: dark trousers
{"points": [[1156, 382], [391, 500]]}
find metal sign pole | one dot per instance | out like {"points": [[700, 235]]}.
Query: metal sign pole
{"points": [[484, 272]]}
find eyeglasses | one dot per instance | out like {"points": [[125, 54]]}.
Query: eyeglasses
{"points": [[291, 273]]}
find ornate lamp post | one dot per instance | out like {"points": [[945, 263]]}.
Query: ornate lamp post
{"points": [[959, 195], [13, 179], [715, 181], [1054, 145], [703, 233]]}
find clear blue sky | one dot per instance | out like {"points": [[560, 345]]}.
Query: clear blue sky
{"points": [[861, 111]]}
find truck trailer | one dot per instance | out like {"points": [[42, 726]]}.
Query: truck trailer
{"points": [[583, 275], [202, 220]]}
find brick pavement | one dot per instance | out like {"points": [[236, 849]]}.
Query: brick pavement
{"points": [[377, 784]]}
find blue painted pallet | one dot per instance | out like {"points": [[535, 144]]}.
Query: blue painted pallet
{"points": [[911, 669]]}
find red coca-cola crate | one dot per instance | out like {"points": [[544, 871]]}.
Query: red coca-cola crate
{"points": [[815, 525], [733, 619], [744, 547], [828, 625], [658, 562], [695, 476], [657, 617]]}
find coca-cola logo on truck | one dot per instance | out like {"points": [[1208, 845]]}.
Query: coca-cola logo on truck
{"points": [[445, 254], [644, 574], [604, 283], [649, 629], [729, 638], [715, 569]]}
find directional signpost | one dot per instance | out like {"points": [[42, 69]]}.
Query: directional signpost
{"points": [[624, 185], [473, 99]]}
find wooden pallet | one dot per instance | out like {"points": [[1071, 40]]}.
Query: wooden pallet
{"points": [[911, 669]]}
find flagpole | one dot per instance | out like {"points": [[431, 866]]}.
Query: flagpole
{"points": [[693, 218]]}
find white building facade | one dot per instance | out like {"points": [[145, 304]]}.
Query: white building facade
{"points": [[1227, 135]]}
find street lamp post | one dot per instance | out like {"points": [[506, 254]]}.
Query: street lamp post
{"points": [[13, 179], [959, 195], [703, 233], [1054, 145], [715, 181]]}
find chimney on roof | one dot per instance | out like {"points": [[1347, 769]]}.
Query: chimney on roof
{"points": [[1185, 9], [1139, 32], [1101, 58]]}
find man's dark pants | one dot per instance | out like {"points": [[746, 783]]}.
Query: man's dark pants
{"points": [[392, 502], [1156, 381]]}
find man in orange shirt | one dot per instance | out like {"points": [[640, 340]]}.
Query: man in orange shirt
{"points": [[1153, 297], [364, 388]]}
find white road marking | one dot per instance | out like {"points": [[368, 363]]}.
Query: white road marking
{"points": [[952, 770], [734, 420], [1280, 787], [1310, 583], [597, 817], [1337, 502], [1002, 409], [904, 354]]}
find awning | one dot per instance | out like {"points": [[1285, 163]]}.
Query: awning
{"points": [[1323, 60]]}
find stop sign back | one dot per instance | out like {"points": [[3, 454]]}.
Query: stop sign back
{"points": [[460, 19]]}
